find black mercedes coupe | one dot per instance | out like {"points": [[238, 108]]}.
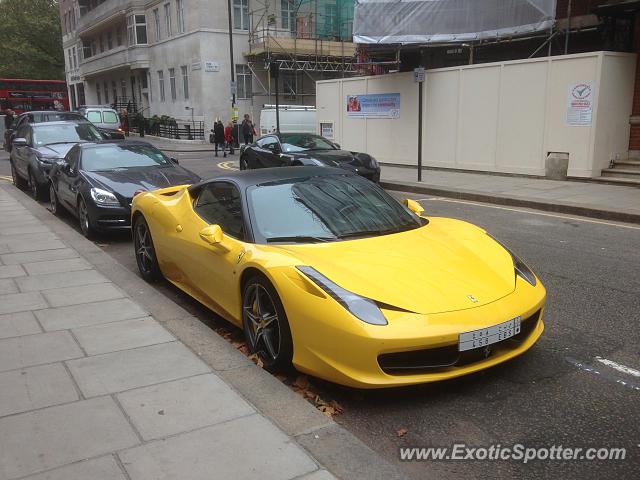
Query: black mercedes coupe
{"points": [[297, 149], [96, 182]]}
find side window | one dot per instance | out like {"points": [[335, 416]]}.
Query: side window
{"points": [[23, 131], [219, 203], [73, 157], [268, 142]]}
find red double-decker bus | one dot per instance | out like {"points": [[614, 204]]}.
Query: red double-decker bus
{"points": [[23, 95]]}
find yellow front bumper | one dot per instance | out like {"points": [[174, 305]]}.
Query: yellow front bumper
{"points": [[332, 344]]}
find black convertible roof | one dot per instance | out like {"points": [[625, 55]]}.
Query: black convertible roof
{"points": [[248, 178]]}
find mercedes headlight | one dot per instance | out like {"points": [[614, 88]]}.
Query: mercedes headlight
{"points": [[521, 268], [104, 198], [361, 307]]}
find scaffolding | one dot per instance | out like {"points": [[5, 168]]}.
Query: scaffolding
{"points": [[313, 37]]}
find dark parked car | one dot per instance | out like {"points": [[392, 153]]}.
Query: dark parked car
{"points": [[96, 182], [291, 149], [40, 116], [37, 147]]}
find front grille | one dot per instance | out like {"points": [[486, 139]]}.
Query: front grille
{"points": [[430, 360]]}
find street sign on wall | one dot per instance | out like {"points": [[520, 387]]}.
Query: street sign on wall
{"points": [[418, 74], [210, 66]]}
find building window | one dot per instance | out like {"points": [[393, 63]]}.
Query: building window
{"points": [[119, 37], [185, 81], [75, 58], [109, 40], [290, 86], [243, 77], [172, 83], [101, 42], [156, 19], [137, 30], [106, 93], [114, 90], [288, 13], [98, 94], [180, 15], [167, 18], [123, 89], [69, 61], [161, 84], [241, 14]]}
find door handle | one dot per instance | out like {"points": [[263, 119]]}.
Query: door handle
{"points": [[178, 228]]}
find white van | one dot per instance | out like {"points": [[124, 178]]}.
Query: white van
{"points": [[293, 119]]}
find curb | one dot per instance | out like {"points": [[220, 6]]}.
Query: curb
{"points": [[329, 444], [572, 209]]}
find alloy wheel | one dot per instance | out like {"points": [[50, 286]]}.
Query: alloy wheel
{"points": [[53, 200], [33, 186], [83, 216], [261, 323], [144, 248]]}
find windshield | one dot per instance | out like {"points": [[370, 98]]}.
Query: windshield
{"points": [[300, 142], [45, 134], [109, 157], [326, 208]]}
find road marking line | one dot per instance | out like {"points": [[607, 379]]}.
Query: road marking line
{"points": [[521, 210], [606, 376], [227, 166], [619, 367], [8, 179]]}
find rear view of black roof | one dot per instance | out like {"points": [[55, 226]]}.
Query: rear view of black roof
{"points": [[36, 116], [247, 178]]}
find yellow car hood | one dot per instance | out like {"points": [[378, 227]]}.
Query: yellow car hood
{"points": [[444, 266]]}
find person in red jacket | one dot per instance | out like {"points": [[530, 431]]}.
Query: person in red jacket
{"points": [[228, 138]]}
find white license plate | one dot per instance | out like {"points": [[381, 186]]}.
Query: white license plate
{"points": [[487, 336]]}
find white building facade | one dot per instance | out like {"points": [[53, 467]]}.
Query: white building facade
{"points": [[166, 57]]}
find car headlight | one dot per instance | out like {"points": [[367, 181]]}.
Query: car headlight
{"points": [[361, 307], [521, 268], [103, 197]]}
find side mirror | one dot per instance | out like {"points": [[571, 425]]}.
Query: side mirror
{"points": [[174, 160], [276, 149], [414, 206], [212, 234], [19, 142]]}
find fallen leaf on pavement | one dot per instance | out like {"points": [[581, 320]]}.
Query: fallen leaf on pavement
{"points": [[402, 432]]}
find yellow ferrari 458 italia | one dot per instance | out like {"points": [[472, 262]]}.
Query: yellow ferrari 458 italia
{"points": [[325, 271]]}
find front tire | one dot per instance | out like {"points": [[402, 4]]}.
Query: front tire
{"points": [[145, 251], [266, 328], [18, 181], [85, 220], [36, 190], [54, 205]]}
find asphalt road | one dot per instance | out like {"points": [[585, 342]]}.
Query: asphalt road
{"points": [[565, 391]]}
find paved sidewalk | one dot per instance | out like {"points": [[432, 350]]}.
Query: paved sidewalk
{"points": [[613, 202], [94, 387]]}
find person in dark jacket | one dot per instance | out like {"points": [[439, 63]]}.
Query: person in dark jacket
{"points": [[218, 134], [248, 129]]}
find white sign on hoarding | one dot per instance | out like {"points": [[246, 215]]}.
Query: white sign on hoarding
{"points": [[326, 130], [580, 103], [418, 74]]}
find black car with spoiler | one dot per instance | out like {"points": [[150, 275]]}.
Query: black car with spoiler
{"points": [[298, 149]]}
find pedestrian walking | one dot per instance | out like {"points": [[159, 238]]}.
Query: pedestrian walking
{"points": [[8, 118], [248, 129], [218, 134], [228, 136]]}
